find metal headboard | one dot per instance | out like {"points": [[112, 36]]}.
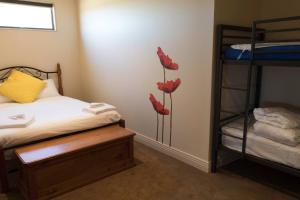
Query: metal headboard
{"points": [[40, 74]]}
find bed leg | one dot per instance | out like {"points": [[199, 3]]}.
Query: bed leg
{"points": [[122, 123], [3, 173]]}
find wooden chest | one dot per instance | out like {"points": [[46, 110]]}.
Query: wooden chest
{"points": [[57, 166]]}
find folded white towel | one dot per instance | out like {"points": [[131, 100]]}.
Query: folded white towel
{"points": [[15, 120], [97, 105], [290, 137], [277, 116], [100, 109]]}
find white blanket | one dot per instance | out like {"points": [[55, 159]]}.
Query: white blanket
{"points": [[53, 116], [236, 128], [290, 137], [262, 147], [279, 117]]}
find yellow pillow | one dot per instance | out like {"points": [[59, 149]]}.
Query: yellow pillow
{"points": [[22, 87]]}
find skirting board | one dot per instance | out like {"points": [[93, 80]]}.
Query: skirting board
{"points": [[189, 159]]}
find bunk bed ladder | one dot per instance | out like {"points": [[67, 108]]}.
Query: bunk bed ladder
{"points": [[219, 87], [248, 95]]}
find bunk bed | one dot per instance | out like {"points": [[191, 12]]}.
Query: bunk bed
{"points": [[252, 48]]}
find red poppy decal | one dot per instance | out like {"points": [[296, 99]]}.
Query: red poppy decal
{"points": [[166, 61], [158, 106], [169, 86]]}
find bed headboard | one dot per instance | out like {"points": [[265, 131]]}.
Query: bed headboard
{"points": [[40, 74]]}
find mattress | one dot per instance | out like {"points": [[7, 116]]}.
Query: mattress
{"points": [[243, 51], [259, 146], [54, 116]]}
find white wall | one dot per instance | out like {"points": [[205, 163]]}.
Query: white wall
{"points": [[120, 65], [43, 49]]}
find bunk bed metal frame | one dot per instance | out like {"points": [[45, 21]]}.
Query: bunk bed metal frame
{"points": [[254, 35]]}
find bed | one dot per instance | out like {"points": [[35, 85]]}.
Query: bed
{"points": [[246, 52], [264, 51], [54, 117], [260, 146]]}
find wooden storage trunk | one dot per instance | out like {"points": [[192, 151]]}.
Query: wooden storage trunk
{"points": [[57, 166]]}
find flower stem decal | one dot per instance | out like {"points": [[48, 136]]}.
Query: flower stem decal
{"points": [[167, 87], [164, 103], [160, 109], [171, 120], [157, 126]]}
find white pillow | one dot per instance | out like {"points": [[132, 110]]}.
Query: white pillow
{"points": [[49, 91], [4, 99]]}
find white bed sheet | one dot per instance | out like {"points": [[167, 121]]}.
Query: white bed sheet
{"points": [[261, 147], [53, 116], [262, 45]]}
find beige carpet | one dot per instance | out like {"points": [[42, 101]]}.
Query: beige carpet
{"points": [[159, 177]]}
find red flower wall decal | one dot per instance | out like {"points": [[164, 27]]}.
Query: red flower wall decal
{"points": [[166, 61], [158, 107], [169, 86]]}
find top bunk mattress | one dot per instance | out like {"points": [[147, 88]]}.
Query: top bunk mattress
{"points": [[269, 51], [53, 116]]}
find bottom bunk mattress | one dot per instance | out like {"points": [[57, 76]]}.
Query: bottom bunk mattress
{"points": [[260, 146], [53, 116]]}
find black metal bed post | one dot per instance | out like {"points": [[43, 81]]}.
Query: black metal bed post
{"points": [[248, 95], [217, 98], [259, 74]]}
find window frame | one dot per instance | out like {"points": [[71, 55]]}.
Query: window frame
{"points": [[47, 5]]}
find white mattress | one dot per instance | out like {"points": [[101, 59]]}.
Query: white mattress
{"points": [[53, 116], [261, 147]]}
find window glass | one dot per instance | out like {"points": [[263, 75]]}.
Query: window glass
{"points": [[28, 15]]}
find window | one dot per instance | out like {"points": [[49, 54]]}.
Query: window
{"points": [[27, 15]]}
